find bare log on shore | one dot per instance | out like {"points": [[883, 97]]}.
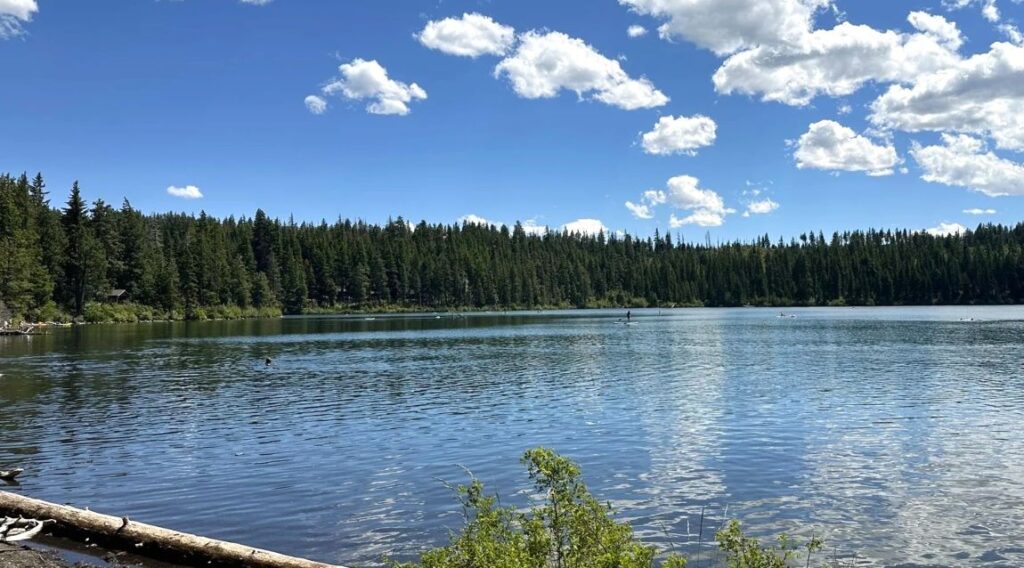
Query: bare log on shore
{"points": [[147, 540]]}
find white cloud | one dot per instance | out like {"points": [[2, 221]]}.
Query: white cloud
{"points": [[1012, 33], [684, 193], [938, 27], [532, 227], [590, 227], [472, 219], [700, 218], [981, 95], [946, 229], [545, 63], [13, 13], [640, 210], [472, 35], [988, 7], [839, 61], [706, 207], [645, 208], [762, 207], [362, 80], [828, 145], [978, 211], [727, 26], [187, 192], [315, 104], [680, 135], [636, 31], [257, 2], [963, 161]]}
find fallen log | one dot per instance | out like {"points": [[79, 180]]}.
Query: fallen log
{"points": [[147, 540]]}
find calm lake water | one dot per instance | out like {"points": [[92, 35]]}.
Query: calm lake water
{"points": [[895, 434]]}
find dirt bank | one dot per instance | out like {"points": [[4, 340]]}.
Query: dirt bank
{"points": [[12, 556]]}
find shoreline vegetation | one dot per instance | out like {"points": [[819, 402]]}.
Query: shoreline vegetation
{"points": [[96, 263], [566, 526]]}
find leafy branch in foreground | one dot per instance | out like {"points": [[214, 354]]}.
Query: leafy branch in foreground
{"points": [[746, 552], [570, 529]]}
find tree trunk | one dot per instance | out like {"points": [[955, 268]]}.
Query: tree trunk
{"points": [[147, 540]]}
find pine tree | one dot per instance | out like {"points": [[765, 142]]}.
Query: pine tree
{"points": [[75, 262]]}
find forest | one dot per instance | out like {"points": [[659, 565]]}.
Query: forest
{"points": [[62, 261]]}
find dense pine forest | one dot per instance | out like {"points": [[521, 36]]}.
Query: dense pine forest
{"points": [[62, 261]]}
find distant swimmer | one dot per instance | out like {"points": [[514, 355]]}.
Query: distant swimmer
{"points": [[268, 361]]}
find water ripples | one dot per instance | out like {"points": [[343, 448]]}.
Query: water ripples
{"points": [[892, 433]]}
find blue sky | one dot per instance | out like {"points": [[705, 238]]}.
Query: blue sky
{"points": [[824, 115]]}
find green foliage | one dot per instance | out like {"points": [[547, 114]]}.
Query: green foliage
{"points": [[48, 312], [96, 312], [189, 264], [569, 529], [746, 552]]}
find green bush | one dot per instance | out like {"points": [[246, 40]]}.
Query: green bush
{"points": [[570, 529], [49, 312], [745, 552]]}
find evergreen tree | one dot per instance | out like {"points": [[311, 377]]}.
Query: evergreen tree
{"points": [[75, 261]]}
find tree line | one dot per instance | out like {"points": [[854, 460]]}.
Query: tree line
{"points": [[64, 260]]}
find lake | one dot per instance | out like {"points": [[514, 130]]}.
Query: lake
{"points": [[893, 433]]}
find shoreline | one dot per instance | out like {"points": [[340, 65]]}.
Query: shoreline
{"points": [[44, 327]]}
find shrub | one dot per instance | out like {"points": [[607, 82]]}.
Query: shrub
{"points": [[570, 529], [50, 312], [745, 552]]}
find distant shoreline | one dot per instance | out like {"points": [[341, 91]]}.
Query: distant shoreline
{"points": [[427, 311]]}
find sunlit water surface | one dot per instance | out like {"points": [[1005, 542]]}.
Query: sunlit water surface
{"points": [[894, 434]]}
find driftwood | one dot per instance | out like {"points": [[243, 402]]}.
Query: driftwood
{"points": [[147, 540], [17, 530]]}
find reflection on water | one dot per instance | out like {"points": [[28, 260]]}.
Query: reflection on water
{"points": [[892, 433]]}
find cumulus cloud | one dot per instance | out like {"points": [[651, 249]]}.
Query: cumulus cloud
{"points": [[315, 104], [701, 218], [636, 31], [545, 63], [828, 145], [472, 35], [706, 207], [645, 208], [761, 207], [368, 80], [988, 7], [839, 61], [963, 161], [186, 192], [257, 2], [680, 135], [727, 26], [979, 211], [590, 227], [946, 229], [982, 95], [13, 13], [640, 210]]}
